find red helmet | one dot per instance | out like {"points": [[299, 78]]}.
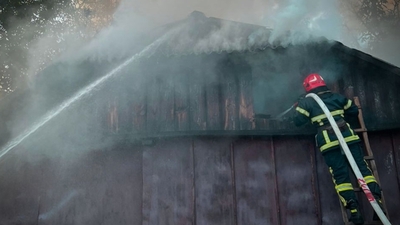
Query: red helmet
{"points": [[312, 81]]}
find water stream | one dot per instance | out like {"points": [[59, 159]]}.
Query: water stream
{"points": [[57, 110]]}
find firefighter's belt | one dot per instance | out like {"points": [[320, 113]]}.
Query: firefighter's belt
{"points": [[340, 123]]}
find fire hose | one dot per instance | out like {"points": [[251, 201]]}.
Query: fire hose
{"points": [[278, 117], [350, 158]]}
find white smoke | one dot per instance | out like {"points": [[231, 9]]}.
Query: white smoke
{"points": [[299, 21], [119, 39]]}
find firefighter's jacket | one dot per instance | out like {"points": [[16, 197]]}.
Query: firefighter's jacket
{"points": [[340, 107]]}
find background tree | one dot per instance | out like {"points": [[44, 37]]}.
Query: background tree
{"points": [[35, 32], [375, 25]]}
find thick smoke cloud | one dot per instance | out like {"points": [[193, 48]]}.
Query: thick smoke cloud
{"points": [[292, 21], [305, 19], [133, 18], [118, 40]]}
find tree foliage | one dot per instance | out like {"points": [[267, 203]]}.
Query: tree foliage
{"points": [[35, 32], [382, 21]]}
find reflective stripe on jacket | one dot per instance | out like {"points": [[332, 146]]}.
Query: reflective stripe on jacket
{"points": [[340, 107]]}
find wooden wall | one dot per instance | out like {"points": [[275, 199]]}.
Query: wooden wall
{"points": [[218, 93], [203, 180]]}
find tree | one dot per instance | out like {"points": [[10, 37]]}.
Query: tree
{"points": [[381, 33], [373, 26], [34, 32]]}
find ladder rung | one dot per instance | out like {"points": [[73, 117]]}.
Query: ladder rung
{"points": [[360, 130], [369, 157]]}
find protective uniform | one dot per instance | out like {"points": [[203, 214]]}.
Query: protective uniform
{"points": [[341, 109]]}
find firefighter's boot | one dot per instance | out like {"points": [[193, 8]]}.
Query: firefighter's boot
{"points": [[377, 193], [355, 215], [376, 217]]}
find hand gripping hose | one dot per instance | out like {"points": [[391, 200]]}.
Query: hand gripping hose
{"points": [[350, 158]]}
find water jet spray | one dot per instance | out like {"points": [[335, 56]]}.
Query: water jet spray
{"points": [[57, 110]]}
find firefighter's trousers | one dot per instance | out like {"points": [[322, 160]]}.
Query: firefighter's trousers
{"points": [[340, 170]]}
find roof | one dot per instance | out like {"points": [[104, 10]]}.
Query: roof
{"points": [[198, 34]]}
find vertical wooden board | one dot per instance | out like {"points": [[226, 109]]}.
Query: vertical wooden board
{"points": [[96, 109], [121, 200], [102, 108], [181, 102], [63, 200], [138, 107], [166, 104], [246, 104], [368, 100], [20, 187], [213, 182], [295, 181], [113, 123], [137, 99], [396, 152], [214, 116], [331, 213], [359, 87], [393, 98], [168, 183], [393, 104], [101, 187], [379, 102], [255, 183], [383, 85], [382, 148], [153, 107], [124, 112], [230, 100], [197, 104]]}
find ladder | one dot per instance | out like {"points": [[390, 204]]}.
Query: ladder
{"points": [[370, 159]]}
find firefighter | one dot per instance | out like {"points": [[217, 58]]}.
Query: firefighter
{"points": [[342, 110]]}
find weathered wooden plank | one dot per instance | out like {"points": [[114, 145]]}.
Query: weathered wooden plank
{"points": [[213, 179], [122, 184], [230, 95], [396, 152], [295, 181], [246, 110], [197, 103], [383, 150], [20, 187], [153, 107], [168, 183], [124, 110], [182, 102], [112, 119], [213, 103], [93, 190], [231, 112], [138, 107], [166, 104], [255, 183], [330, 208]]}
